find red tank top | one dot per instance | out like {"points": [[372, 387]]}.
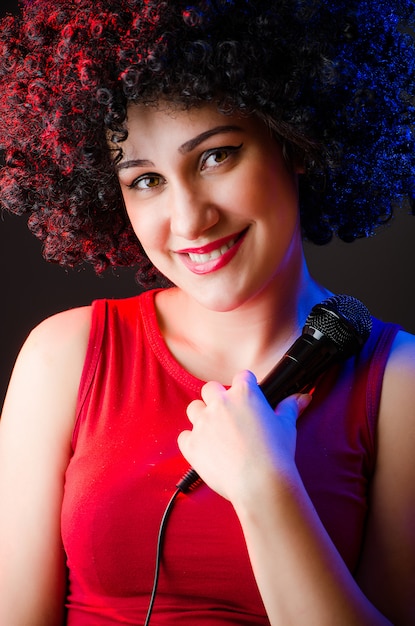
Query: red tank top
{"points": [[126, 462]]}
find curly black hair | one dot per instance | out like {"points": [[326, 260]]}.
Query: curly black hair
{"points": [[334, 81]]}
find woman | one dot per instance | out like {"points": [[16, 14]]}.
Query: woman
{"points": [[202, 143]]}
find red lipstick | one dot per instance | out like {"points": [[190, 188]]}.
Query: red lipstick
{"points": [[213, 256]]}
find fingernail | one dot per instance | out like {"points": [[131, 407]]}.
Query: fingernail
{"points": [[303, 400]]}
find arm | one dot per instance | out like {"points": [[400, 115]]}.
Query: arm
{"points": [[300, 575], [387, 570], [35, 435]]}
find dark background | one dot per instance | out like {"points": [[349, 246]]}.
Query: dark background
{"points": [[376, 270]]}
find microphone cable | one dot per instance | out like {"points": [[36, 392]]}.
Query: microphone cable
{"points": [[187, 483]]}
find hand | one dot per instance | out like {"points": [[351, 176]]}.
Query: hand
{"points": [[237, 438]]}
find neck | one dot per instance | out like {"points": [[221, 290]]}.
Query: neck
{"points": [[252, 336]]}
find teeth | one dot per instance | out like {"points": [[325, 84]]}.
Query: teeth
{"points": [[210, 256]]}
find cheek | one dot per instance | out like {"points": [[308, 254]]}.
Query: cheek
{"points": [[272, 195], [147, 225]]}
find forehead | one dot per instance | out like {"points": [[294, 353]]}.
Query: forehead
{"points": [[150, 127], [168, 116]]}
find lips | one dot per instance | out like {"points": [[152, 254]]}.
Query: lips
{"points": [[210, 256], [213, 256]]}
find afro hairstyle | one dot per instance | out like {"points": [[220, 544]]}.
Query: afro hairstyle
{"points": [[334, 81]]}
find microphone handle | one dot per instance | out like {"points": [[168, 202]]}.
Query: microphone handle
{"points": [[299, 368]]}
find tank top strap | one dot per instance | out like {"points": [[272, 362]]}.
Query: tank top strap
{"points": [[93, 352]]}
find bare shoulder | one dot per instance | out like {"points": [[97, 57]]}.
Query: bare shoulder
{"points": [[403, 351], [62, 331], [397, 410], [52, 357], [387, 568], [44, 384]]}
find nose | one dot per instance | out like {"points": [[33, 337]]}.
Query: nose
{"points": [[192, 212]]}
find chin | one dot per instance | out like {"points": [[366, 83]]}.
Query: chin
{"points": [[221, 303]]}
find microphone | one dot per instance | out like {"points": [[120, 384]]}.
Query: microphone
{"points": [[335, 329]]}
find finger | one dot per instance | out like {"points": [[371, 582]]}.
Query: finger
{"points": [[194, 410], [244, 382], [183, 442], [212, 390], [245, 377], [303, 400], [291, 408]]}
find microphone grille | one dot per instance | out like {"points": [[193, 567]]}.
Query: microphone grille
{"points": [[343, 319]]}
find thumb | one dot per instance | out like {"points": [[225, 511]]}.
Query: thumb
{"points": [[291, 408]]}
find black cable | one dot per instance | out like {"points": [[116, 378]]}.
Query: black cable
{"points": [[161, 534], [187, 483]]}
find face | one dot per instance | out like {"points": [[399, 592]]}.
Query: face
{"points": [[211, 200]]}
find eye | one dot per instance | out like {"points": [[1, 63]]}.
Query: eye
{"points": [[146, 182], [217, 156]]}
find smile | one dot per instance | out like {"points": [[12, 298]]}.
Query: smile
{"points": [[214, 255], [210, 256]]}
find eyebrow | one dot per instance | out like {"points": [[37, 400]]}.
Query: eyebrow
{"points": [[190, 145], [185, 148], [133, 163]]}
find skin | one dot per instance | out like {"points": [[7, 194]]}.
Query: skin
{"points": [[187, 185]]}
